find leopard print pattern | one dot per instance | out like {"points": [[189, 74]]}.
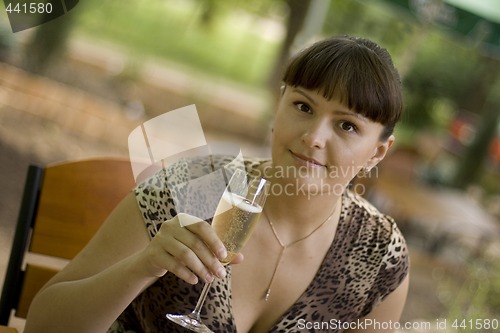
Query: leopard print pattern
{"points": [[367, 260]]}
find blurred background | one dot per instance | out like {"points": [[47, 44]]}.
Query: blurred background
{"points": [[76, 86]]}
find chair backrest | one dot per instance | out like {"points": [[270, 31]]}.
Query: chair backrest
{"points": [[62, 207]]}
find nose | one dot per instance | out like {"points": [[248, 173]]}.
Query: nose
{"points": [[315, 135]]}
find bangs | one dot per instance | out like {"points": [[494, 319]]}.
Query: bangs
{"points": [[351, 73]]}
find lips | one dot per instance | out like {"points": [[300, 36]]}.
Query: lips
{"points": [[302, 159]]}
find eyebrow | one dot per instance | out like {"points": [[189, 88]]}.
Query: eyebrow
{"points": [[303, 93], [338, 112], [353, 114]]}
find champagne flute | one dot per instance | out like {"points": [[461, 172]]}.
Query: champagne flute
{"points": [[235, 219]]}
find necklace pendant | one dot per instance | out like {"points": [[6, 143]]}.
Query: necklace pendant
{"points": [[268, 293]]}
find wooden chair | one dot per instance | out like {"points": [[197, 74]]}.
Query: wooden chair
{"points": [[62, 207]]}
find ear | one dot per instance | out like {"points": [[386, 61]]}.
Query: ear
{"points": [[380, 151]]}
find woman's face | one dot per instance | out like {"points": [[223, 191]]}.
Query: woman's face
{"points": [[319, 144]]}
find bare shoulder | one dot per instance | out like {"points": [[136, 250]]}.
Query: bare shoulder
{"points": [[122, 234]]}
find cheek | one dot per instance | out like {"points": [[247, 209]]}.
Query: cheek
{"points": [[346, 160], [284, 129]]}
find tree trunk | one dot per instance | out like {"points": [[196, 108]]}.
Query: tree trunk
{"points": [[48, 42], [296, 18], [476, 153]]}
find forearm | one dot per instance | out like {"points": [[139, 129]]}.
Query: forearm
{"points": [[117, 264], [88, 305]]}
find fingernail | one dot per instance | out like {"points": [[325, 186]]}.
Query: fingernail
{"points": [[209, 277], [221, 272], [222, 253]]}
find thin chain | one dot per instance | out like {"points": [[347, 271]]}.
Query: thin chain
{"points": [[284, 247]]}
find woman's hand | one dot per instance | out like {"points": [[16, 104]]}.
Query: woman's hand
{"points": [[189, 248], [118, 264]]}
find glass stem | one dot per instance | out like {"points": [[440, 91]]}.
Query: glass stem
{"points": [[199, 305]]}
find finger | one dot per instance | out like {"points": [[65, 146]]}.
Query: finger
{"points": [[189, 259], [238, 258], [188, 249], [196, 246], [179, 269], [162, 261], [209, 236]]}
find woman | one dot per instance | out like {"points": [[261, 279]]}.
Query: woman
{"points": [[321, 258]]}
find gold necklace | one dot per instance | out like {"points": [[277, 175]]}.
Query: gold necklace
{"points": [[284, 247]]}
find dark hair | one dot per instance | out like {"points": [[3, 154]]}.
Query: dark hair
{"points": [[356, 71]]}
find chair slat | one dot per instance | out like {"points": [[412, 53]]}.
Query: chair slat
{"points": [[75, 199], [34, 279]]}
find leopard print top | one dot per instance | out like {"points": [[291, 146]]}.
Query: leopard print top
{"points": [[367, 260]]}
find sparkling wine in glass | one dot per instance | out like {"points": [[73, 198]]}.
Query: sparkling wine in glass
{"points": [[234, 221]]}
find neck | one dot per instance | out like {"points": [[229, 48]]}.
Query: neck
{"points": [[296, 216], [294, 210]]}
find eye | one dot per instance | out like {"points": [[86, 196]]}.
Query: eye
{"points": [[302, 107], [348, 126]]}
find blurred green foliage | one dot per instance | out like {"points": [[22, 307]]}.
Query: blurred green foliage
{"points": [[474, 295], [438, 83], [225, 46]]}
